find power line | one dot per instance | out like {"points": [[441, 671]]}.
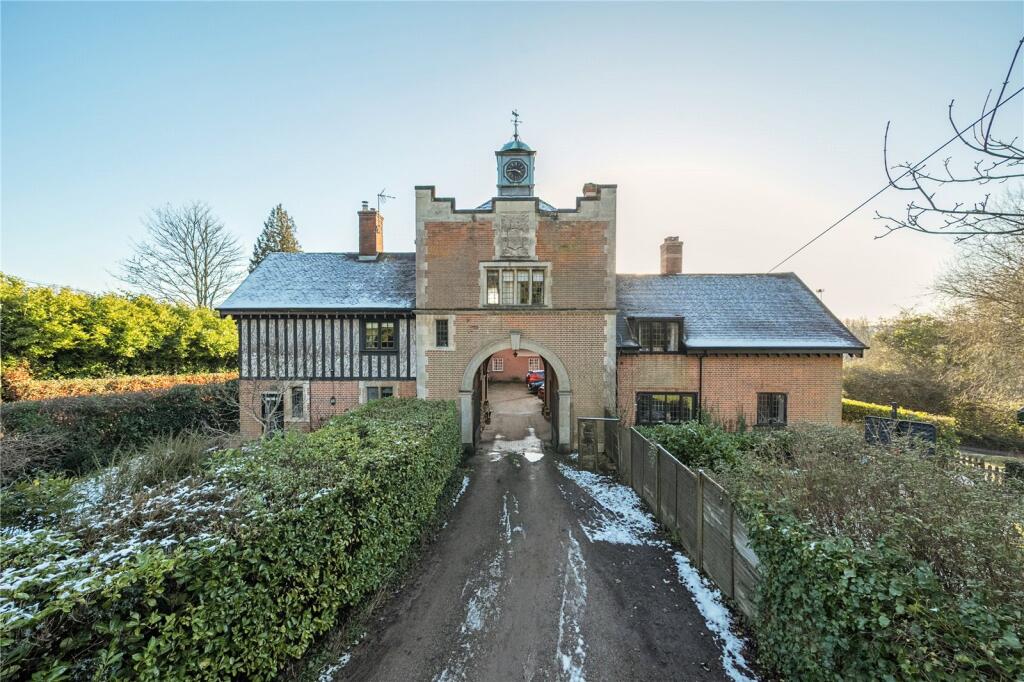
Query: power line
{"points": [[888, 185]]}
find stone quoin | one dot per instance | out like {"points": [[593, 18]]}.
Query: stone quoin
{"points": [[320, 333]]}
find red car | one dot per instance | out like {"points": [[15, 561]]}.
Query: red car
{"points": [[534, 375]]}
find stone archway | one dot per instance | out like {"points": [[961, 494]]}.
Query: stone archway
{"points": [[517, 342]]}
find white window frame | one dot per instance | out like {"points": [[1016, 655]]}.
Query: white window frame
{"points": [[497, 363], [515, 265], [534, 364]]}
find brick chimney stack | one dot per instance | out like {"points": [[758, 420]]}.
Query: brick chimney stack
{"points": [[371, 233], [671, 256]]}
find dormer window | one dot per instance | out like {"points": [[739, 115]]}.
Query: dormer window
{"points": [[658, 336]]}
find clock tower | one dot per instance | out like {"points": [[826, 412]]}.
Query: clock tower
{"points": [[515, 166]]}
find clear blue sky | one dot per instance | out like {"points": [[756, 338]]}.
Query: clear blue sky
{"points": [[742, 128]]}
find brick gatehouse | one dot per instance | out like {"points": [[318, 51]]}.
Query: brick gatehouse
{"points": [[322, 332]]}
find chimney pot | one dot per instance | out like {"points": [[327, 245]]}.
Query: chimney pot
{"points": [[591, 190], [671, 256], [366, 205]]}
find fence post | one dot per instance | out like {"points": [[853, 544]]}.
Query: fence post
{"points": [[732, 550], [657, 482], [700, 519]]}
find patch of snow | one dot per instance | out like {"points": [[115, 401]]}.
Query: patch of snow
{"points": [[717, 617], [458, 496], [531, 447], [328, 673], [621, 519], [571, 648]]}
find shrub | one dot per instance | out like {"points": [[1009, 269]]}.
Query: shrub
{"points": [[20, 386], [706, 445], [829, 609], [946, 427], [167, 458], [879, 563], [92, 429], [231, 572], [66, 333]]}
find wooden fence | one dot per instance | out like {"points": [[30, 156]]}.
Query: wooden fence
{"points": [[992, 471], [696, 508]]}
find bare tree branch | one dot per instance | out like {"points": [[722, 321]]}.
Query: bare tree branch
{"points": [[189, 257], [1001, 162]]}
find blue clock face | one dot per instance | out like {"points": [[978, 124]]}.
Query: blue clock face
{"points": [[515, 171]]}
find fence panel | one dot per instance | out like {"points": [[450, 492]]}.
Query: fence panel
{"points": [[688, 510], [716, 533], [667, 465], [745, 569], [650, 490], [698, 509], [638, 453], [625, 441]]}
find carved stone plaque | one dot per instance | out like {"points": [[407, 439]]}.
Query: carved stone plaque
{"points": [[515, 237]]}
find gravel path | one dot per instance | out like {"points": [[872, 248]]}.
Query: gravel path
{"points": [[545, 573]]}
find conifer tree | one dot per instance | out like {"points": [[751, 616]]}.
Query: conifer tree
{"points": [[278, 235]]}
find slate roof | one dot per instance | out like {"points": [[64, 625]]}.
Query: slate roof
{"points": [[734, 312], [327, 281]]}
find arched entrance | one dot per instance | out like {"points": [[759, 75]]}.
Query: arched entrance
{"points": [[559, 393]]}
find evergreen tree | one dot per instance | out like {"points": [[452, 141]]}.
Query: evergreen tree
{"points": [[278, 235]]}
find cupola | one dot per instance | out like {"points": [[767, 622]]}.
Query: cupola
{"points": [[515, 165]]}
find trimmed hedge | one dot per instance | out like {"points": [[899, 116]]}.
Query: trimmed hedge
{"points": [[21, 386], [232, 573], [855, 411], [89, 430], [829, 610]]}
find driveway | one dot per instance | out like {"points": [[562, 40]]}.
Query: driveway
{"points": [[545, 573]]}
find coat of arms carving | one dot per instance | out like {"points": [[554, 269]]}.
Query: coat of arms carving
{"points": [[515, 236]]}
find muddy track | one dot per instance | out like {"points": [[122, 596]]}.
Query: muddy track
{"points": [[533, 579]]}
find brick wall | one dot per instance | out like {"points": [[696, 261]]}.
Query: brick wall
{"points": [[346, 394], [514, 368], [578, 340], [731, 384]]}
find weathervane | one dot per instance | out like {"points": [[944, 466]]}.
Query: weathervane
{"points": [[515, 123], [382, 197]]}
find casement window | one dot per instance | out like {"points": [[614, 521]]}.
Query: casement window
{"points": [[771, 409], [441, 333], [515, 286], [272, 412], [298, 398], [497, 364], [379, 335], [377, 392], [665, 408], [658, 336], [534, 364]]}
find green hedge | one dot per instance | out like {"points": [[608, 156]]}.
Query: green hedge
{"points": [[231, 574], [855, 411], [88, 430], [829, 610]]}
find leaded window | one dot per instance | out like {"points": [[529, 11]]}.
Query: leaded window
{"points": [[515, 286], [658, 336], [441, 333], [771, 409], [298, 402], [665, 408], [379, 335], [378, 392]]}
